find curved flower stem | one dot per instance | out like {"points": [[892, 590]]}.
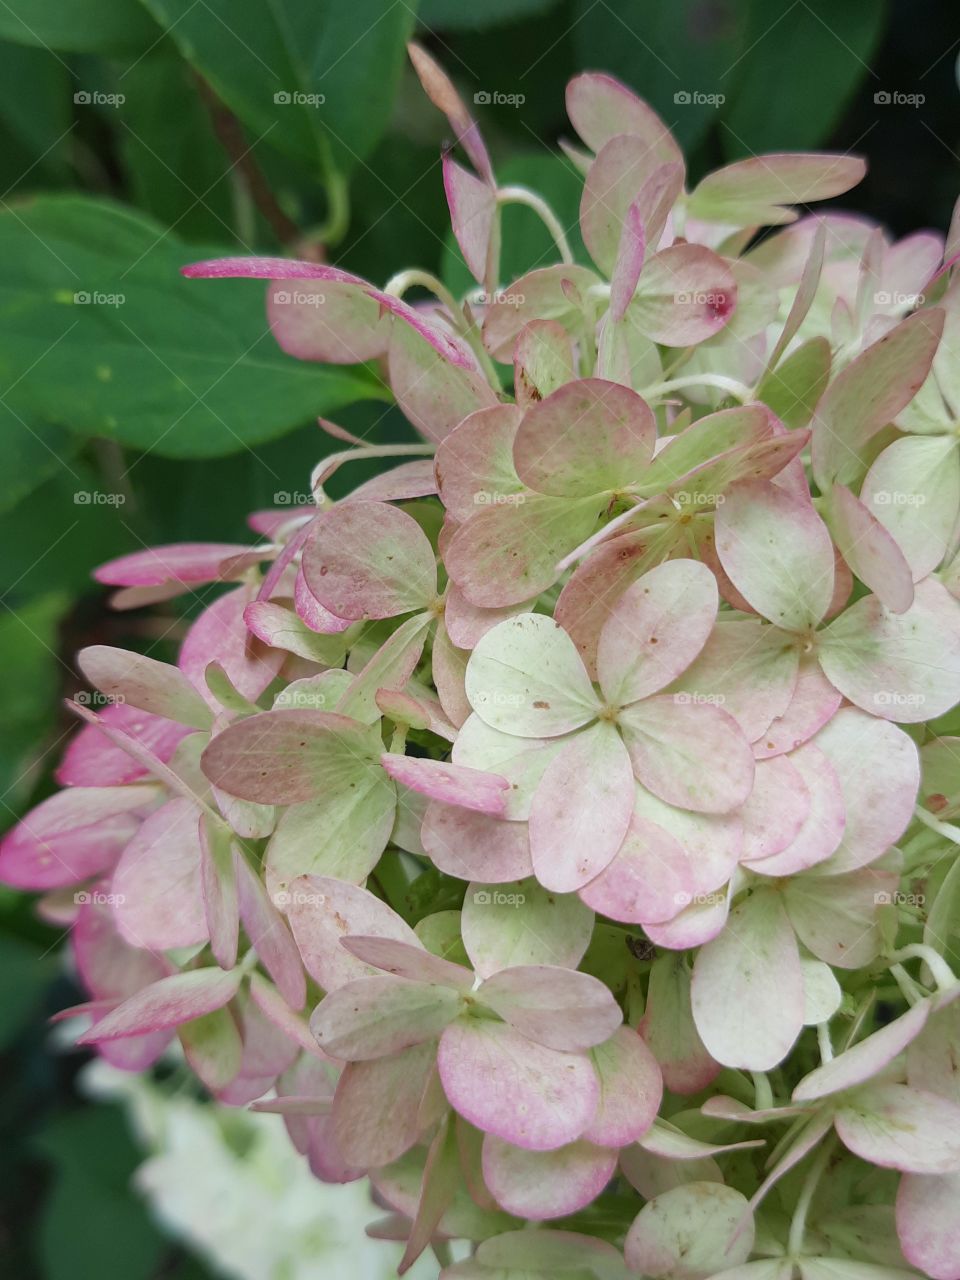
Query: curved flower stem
{"points": [[942, 973], [763, 1094], [398, 285], [522, 195], [948, 829], [601, 535], [910, 991], [720, 380], [823, 1040], [816, 1171], [326, 467]]}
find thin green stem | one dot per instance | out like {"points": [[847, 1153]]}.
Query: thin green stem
{"points": [[522, 195], [798, 1225]]}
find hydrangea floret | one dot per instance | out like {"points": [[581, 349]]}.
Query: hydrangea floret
{"points": [[560, 829]]}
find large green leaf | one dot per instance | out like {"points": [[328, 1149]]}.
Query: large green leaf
{"points": [[78, 26], [314, 79], [803, 64], [93, 1218], [99, 332], [455, 15], [679, 55], [30, 452]]}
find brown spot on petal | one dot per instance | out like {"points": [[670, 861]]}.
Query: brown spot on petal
{"points": [[937, 802], [541, 705]]}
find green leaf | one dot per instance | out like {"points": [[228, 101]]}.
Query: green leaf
{"points": [[175, 165], [93, 26], [676, 54], [35, 101], [802, 66], [313, 79], [93, 1217], [100, 333], [30, 452], [26, 969], [793, 388], [454, 15], [32, 671]]}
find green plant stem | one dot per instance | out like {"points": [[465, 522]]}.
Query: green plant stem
{"points": [[522, 195]]}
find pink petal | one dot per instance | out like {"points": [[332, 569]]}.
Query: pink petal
{"points": [[713, 842], [474, 464], [381, 1016], [627, 180], [72, 835], [587, 437], [435, 378], [285, 757], [927, 1224], [404, 960], [670, 1031], [869, 393], [865, 1059], [631, 1089], [776, 808], [823, 821], [473, 211], [321, 911], [145, 683], [531, 1096], [901, 666], [523, 924], [539, 1185], [157, 881], [690, 1233], [475, 846], [167, 1003], [369, 560], [182, 564], [449, 783], [869, 550], [747, 991], [311, 611], [691, 755], [813, 702], [697, 924], [897, 1127], [556, 1007], [414, 479], [913, 490], [599, 107], [376, 1105], [525, 677], [648, 881], [778, 553], [581, 810], [759, 191], [656, 630], [879, 770], [543, 294], [439, 89], [220, 635], [91, 760], [838, 917], [269, 936], [686, 294]]}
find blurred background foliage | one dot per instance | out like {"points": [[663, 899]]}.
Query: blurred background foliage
{"points": [[137, 407]]}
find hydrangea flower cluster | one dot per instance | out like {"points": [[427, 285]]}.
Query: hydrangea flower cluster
{"points": [[560, 829]]}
